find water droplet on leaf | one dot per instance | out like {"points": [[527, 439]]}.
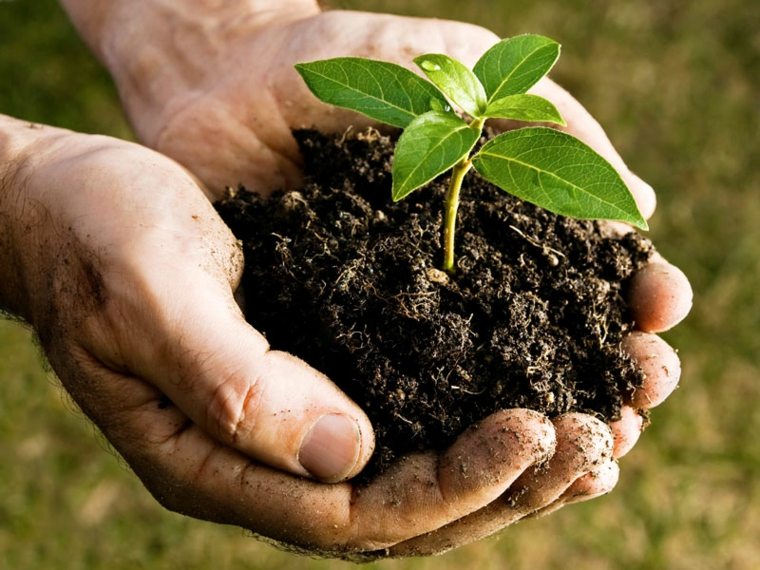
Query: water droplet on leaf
{"points": [[430, 66]]}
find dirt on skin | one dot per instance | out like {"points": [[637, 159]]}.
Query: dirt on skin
{"points": [[344, 278]]}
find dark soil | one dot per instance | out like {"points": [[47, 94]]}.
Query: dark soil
{"points": [[342, 277]]}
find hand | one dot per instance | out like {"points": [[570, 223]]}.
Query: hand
{"points": [[252, 102], [184, 112], [128, 278]]}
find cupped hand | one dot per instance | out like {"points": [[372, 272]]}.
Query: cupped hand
{"points": [[247, 97], [228, 119]]}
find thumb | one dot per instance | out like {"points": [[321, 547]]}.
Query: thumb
{"points": [[270, 405]]}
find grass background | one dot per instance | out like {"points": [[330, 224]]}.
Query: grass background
{"points": [[676, 85]]}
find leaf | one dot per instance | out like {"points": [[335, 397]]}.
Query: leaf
{"points": [[428, 147], [516, 64], [559, 173], [380, 90], [455, 80], [524, 108]]}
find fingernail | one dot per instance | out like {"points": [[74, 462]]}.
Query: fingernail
{"points": [[331, 449], [645, 196]]}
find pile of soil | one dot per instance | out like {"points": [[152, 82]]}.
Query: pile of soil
{"points": [[341, 276]]}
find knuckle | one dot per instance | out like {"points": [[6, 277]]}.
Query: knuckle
{"points": [[234, 408]]}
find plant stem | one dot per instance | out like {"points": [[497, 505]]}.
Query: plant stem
{"points": [[452, 203], [450, 216]]}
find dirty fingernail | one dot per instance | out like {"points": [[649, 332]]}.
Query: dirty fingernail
{"points": [[331, 449]]}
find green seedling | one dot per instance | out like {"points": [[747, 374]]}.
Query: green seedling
{"points": [[541, 165]]}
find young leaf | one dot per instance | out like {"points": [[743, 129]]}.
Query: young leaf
{"points": [[429, 146], [455, 80], [514, 65], [559, 173], [383, 91], [524, 108]]}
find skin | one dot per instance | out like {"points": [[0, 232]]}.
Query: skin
{"points": [[99, 232]]}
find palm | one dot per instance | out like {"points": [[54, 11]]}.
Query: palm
{"points": [[248, 104], [236, 126]]}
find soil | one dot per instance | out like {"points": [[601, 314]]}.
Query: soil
{"points": [[341, 276]]}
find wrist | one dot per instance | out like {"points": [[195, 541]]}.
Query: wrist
{"points": [[18, 140], [160, 53], [31, 228]]}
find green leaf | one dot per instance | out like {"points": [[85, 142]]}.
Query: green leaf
{"points": [[559, 173], [380, 90], [455, 80], [516, 64], [524, 108], [428, 147]]}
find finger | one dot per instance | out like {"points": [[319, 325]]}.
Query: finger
{"points": [[626, 431], [589, 486], [594, 484], [660, 365], [583, 444], [581, 124], [660, 296]]}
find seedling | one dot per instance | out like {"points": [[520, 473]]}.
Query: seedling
{"points": [[541, 165]]}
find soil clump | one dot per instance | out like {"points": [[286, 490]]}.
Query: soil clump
{"points": [[339, 275]]}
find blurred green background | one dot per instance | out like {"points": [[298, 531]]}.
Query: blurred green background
{"points": [[675, 83]]}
